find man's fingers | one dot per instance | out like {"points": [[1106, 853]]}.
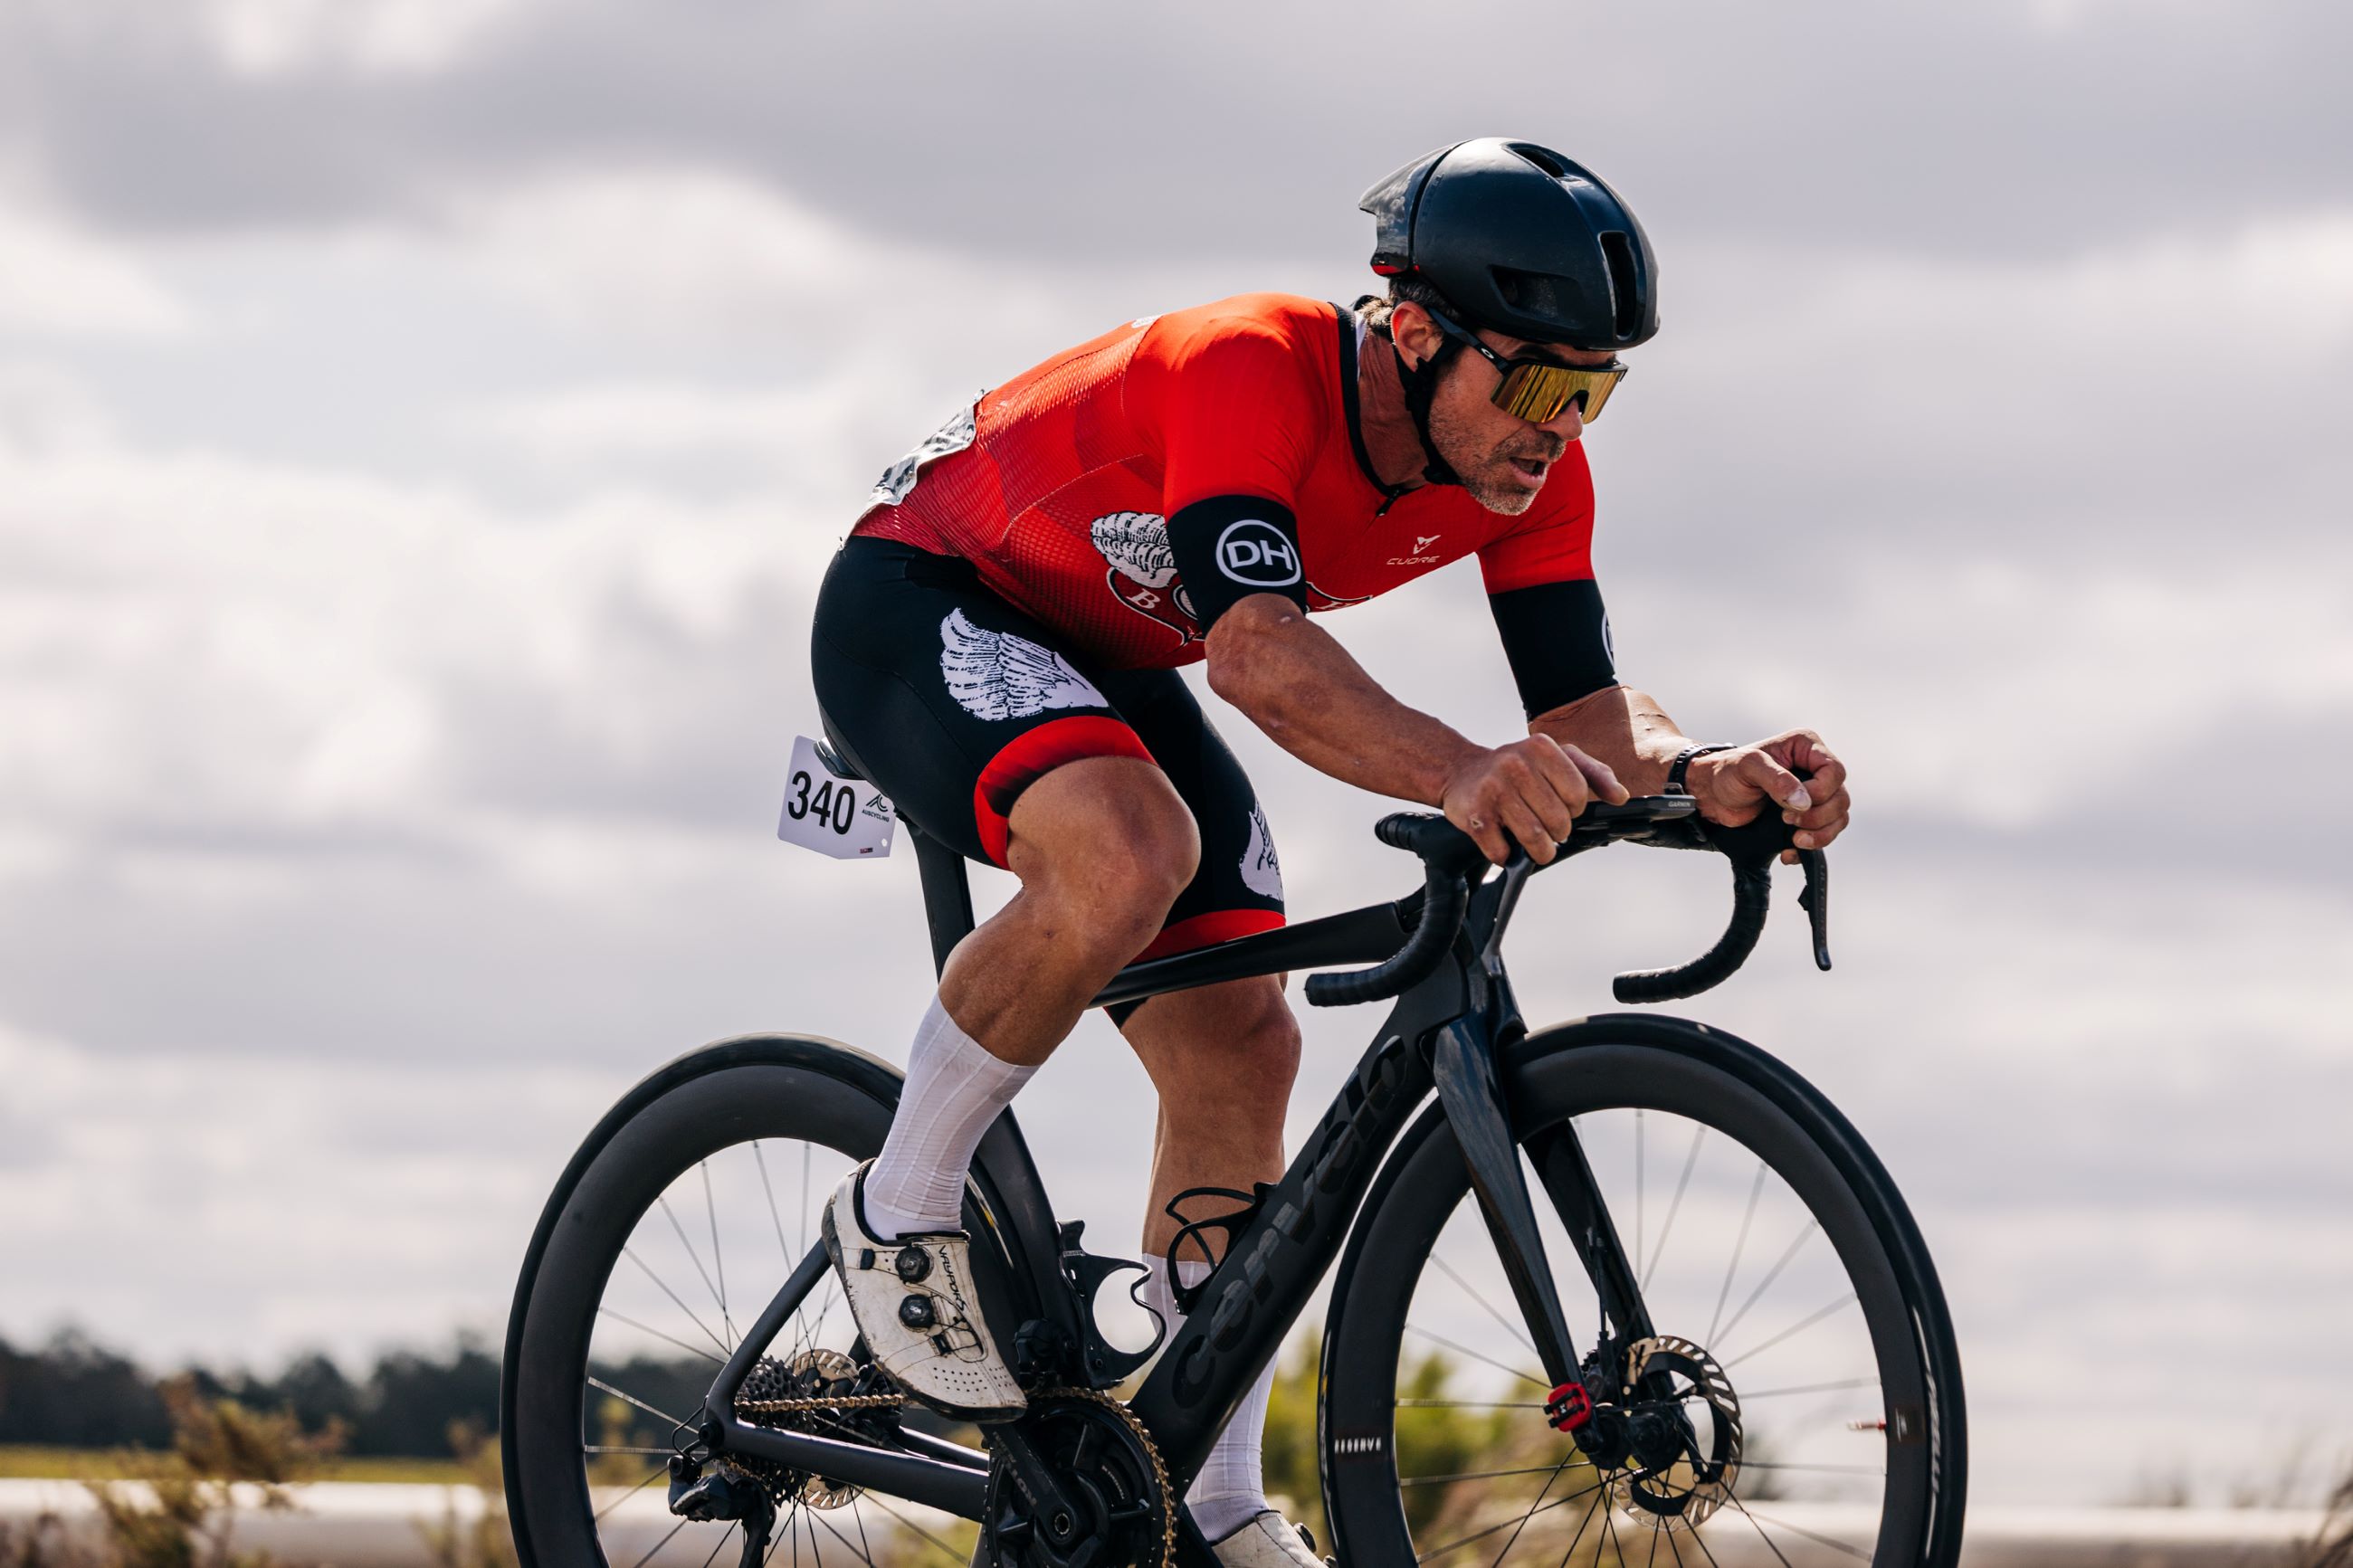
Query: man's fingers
{"points": [[1566, 780], [1818, 837], [1779, 783], [1485, 831], [1530, 830]]}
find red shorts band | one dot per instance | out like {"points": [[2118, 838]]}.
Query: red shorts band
{"points": [[1208, 929], [1030, 756]]}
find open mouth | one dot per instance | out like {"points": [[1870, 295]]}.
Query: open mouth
{"points": [[1532, 470]]}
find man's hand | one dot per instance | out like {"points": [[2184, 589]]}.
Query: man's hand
{"points": [[1533, 789], [1793, 771]]}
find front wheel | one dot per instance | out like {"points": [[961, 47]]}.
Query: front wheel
{"points": [[1794, 1398]]}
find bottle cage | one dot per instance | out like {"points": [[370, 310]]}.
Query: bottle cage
{"points": [[1233, 1222]]}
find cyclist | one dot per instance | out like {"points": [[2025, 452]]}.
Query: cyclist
{"points": [[995, 648]]}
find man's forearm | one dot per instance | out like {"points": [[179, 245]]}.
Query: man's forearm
{"points": [[1622, 727], [1316, 702]]}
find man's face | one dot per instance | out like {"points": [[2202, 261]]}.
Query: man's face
{"points": [[1502, 459]]}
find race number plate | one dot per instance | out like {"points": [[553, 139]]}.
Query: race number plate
{"points": [[846, 818]]}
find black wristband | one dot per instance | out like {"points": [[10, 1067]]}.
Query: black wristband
{"points": [[1682, 764]]}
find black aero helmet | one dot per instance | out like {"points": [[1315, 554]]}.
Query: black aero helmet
{"points": [[1520, 240]]}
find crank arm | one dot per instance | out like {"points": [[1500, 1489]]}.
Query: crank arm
{"points": [[1463, 1064]]}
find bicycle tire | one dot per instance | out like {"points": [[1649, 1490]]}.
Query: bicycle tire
{"points": [[1619, 1062], [806, 1088]]}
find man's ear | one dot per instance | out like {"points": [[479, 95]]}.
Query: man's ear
{"points": [[1414, 332]]}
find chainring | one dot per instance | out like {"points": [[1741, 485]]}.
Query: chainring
{"points": [[1109, 1469], [1681, 1481]]}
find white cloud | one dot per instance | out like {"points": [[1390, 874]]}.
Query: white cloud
{"points": [[59, 280], [279, 38]]}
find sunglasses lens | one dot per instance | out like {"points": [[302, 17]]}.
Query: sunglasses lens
{"points": [[1541, 394], [1598, 393]]}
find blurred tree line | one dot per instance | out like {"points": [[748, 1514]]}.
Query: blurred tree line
{"points": [[71, 1392]]}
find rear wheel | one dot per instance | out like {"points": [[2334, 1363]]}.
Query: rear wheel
{"points": [[1797, 1400], [679, 1220]]}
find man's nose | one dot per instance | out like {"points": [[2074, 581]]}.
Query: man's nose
{"points": [[1570, 424]]}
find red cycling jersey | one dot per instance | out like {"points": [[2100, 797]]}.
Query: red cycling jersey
{"points": [[1057, 485]]}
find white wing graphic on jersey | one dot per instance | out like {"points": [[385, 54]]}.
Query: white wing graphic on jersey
{"points": [[1262, 872], [1136, 543], [997, 675]]}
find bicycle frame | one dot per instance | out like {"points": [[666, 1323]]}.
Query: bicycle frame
{"points": [[1442, 1036]]}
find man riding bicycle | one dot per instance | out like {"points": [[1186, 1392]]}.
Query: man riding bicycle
{"points": [[996, 645]]}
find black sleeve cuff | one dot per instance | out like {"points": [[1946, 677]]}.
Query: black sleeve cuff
{"points": [[1557, 636], [1229, 547]]}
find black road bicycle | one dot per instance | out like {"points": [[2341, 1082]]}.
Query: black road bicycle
{"points": [[1706, 1332]]}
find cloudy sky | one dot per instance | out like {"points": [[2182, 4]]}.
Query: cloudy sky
{"points": [[423, 424]]}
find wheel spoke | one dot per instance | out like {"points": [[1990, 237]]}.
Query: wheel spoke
{"points": [[651, 1477], [1755, 1191], [1805, 1233], [774, 1218], [1792, 1331], [952, 1554], [1760, 1521], [663, 1285], [1639, 1117], [658, 1545], [1509, 1327], [1824, 1469], [1463, 1476], [613, 1448], [1483, 1534], [1513, 1540], [716, 1294], [1674, 1207], [718, 1258], [726, 1536], [1474, 1355], [631, 1398], [1851, 1382], [1600, 1500], [1772, 1544], [667, 1339]]}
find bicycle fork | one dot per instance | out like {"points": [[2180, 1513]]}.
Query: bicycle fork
{"points": [[1463, 1061]]}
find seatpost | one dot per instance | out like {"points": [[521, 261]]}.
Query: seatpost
{"points": [[947, 894]]}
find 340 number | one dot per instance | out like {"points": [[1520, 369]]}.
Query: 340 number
{"points": [[834, 805]]}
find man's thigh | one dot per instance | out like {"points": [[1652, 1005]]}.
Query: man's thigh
{"points": [[950, 700], [1238, 889]]}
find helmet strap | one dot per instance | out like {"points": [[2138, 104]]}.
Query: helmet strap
{"points": [[1419, 383]]}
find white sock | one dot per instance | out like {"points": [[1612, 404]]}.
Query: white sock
{"points": [[1230, 1490], [953, 1090]]}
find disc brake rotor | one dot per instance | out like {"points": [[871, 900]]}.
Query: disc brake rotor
{"points": [[1686, 1445]]}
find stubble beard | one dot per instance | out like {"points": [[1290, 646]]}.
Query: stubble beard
{"points": [[1489, 475]]}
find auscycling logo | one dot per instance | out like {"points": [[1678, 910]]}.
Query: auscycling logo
{"points": [[1254, 552]]}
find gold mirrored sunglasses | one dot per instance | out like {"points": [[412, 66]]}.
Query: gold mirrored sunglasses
{"points": [[1539, 389]]}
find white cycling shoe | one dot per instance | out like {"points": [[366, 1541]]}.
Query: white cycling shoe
{"points": [[914, 1303], [1268, 1541]]}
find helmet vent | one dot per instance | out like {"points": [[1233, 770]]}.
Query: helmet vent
{"points": [[1544, 158], [1625, 282]]}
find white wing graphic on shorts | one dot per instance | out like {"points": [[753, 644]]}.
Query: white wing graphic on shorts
{"points": [[996, 675], [1262, 872]]}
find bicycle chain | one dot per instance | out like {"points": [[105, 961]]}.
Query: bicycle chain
{"points": [[1093, 1395]]}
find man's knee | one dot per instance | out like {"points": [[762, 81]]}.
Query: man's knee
{"points": [[1109, 838], [1244, 1057]]}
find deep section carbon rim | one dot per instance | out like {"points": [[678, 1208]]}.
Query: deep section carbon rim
{"points": [[1792, 1374], [673, 1239]]}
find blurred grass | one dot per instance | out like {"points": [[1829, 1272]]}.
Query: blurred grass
{"points": [[21, 1462]]}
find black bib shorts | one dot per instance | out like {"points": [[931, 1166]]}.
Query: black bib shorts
{"points": [[952, 702]]}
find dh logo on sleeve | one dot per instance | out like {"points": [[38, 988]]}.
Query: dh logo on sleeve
{"points": [[1254, 552]]}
